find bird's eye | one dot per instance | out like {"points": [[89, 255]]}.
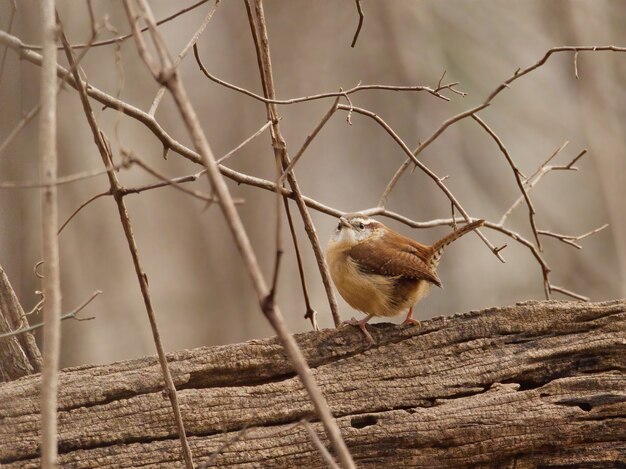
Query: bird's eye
{"points": [[339, 227], [361, 226]]}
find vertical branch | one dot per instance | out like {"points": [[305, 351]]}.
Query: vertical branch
{"points": [[118, 195], [49, 211], [170, 78], [263, 55]]}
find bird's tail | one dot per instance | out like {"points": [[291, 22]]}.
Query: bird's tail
{"points": [[440, 245]]}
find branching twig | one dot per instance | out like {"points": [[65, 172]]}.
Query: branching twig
{"points": [[543, 169], [181, 56], [570, 239], [425, 169], [61, 180], [239, 177], [71, 315], [308, 140], [355, 89], [518, 177], [122, 38]]}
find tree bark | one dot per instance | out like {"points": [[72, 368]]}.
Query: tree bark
{"points": [[535, 384], [19, 354]]}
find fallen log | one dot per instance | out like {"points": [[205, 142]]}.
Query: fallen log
{"points": [[534, 384]]}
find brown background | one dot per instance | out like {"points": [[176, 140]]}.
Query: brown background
{"points": [[201, 292]]}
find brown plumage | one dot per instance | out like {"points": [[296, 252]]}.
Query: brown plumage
{"points": [[381, 272]]}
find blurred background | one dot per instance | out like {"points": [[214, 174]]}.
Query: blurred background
{"points": [[201, 291]]}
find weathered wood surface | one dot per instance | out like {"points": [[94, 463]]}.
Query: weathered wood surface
{"points": [[535, 384], [19, 355]]}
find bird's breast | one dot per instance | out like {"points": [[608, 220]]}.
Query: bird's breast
{"points": [[370, 293]]}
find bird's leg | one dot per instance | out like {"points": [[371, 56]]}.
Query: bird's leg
{"points": [[361, 324], [410, 319]]}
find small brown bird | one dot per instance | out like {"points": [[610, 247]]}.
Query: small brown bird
{"points": [[380, 272]]}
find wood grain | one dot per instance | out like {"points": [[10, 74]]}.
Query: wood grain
{"points": [[535, 384]]}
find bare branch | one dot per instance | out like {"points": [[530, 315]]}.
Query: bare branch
{"points": [[182, 54], [570, 239], [426, 170], [518, 177], [197, 194], [355, 89], [71, 315], [280, 153], [61, 180], [394, 180], [326, 456], [308, 141], [49, 210], [531, 181], [122, 38], [359, 9], [83, 205], [6, 48], [568, 292], [245, 142]]}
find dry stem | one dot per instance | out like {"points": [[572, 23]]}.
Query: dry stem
{"points": [[49, 210]]}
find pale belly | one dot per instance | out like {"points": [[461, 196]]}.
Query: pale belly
{"points": [[375, 295]]}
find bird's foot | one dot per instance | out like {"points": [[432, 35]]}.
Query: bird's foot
{"points": [[361, 325], [412, 321]]}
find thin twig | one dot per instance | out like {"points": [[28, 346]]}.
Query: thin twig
{"points": [[241, 434], [83, 205], [20, 125], [308, 140], [242, 178], [310, 313], [122, 38], [245, 142], [61, 180], [355, 89], [359, 9], [570, 239], [426, 170], [518, 177], [534, 178], [71, 315], [392, 183], [49, 210], [197, 194], [182, 54], [6, 48], [568, 292], [326, 456]]}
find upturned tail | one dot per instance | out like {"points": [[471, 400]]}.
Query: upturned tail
{"points": [[440, 245]]}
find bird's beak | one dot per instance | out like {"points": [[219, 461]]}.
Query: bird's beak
{"points": [[344, 222]]}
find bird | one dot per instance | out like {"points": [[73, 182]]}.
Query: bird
{"points": [[380, 272]]}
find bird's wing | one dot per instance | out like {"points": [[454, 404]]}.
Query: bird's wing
{"points": [[399, 257]]}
